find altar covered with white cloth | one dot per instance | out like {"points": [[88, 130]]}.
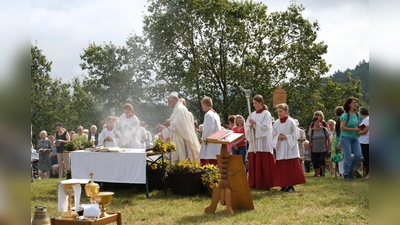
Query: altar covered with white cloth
{"points": [[127, 166]]}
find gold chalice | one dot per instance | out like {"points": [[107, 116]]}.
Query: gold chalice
{"points": [[69, 214], [103, 199], [92, 189]]}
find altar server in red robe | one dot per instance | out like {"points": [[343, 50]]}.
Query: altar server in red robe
{"points": [[260, 154], [288, 170]]}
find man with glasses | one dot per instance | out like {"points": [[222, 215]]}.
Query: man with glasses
{"points": [[80, 136]]}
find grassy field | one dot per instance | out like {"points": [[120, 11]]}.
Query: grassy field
{"points": [[326, 200]]}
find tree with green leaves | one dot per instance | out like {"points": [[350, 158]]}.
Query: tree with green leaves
{"points": [[217, 48], [54, 101], [41, 95], [115, 75]]}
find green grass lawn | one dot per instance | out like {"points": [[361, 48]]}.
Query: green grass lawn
{"points": [[326, 200]]}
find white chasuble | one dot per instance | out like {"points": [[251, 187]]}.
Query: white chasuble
{"points": [[127, 129], [183, 135]]}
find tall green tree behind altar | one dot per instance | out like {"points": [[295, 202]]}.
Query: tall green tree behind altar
{"points": [[57, 101], [215, 48]]}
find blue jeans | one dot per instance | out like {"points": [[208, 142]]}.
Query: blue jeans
{"points": [[350, 146], [241, 151]]}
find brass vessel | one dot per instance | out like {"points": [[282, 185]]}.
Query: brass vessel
{"points": [[69, 214], [41, 217], [104, 199], [92, 189]]}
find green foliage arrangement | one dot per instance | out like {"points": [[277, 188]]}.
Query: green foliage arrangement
{"points": [[78, 145]]}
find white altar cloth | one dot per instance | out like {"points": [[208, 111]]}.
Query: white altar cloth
{"points": [[128, 166]]}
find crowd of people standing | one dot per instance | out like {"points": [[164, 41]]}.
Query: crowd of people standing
{"points": [[275, 153]]}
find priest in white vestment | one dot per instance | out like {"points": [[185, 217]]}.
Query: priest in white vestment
{"points": [[261, 166], [107, 137], [211, 125], [182, 132], [288, 170], [127, 128]]}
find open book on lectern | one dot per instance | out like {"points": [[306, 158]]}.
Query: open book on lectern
{"points": [[223, 137]]}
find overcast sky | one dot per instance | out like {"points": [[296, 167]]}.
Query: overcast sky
{"points": [[62, 29]]}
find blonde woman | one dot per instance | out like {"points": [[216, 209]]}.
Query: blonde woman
{"points": [[288, 170], [239, 147], [320, 116]]}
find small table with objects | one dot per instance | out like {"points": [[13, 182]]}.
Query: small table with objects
{"points": [[112, 217]]}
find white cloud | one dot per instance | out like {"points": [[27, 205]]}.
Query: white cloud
{"points": [[62, 32], [344, 27]]}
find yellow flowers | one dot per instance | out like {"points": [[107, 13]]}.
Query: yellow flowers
{"points": [[155, 165], [185, 166], [211, 176], [161, 146]]}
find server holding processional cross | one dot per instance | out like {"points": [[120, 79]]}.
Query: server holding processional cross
{"points": [[260, 154]]}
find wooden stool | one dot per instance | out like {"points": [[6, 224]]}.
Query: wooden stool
{"points": [[113, 217]]}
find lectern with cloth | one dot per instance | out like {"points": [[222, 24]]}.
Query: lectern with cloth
{"points": [[233, 189]]}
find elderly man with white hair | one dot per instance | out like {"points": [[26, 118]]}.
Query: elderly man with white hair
{"points": [[182, 131], [93, 135]]}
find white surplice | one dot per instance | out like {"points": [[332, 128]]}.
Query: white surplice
{"points": [[127, 130], [141, 135], [286, 149], [262, 134], [183, 135], [107, 133], [211, 124], [166, 133]]}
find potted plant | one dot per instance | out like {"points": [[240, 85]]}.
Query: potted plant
{"points": [[184, 177], [210, 177], [155, 172]]}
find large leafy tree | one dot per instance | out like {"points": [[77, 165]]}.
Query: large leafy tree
{"points": [[115, 75], [41, 96], [57, 101], [326, 97], [50, 98], [83, 110], [217, 48], [214, 48]]}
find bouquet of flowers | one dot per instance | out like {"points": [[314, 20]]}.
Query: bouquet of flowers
{"points": [[211, 176], [161, 146], [185, 166], [67, 174]]}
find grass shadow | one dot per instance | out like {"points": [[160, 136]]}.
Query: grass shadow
{"points": [[203, 218]]}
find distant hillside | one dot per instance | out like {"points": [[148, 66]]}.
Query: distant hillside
{"points": [[361, 72]]}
